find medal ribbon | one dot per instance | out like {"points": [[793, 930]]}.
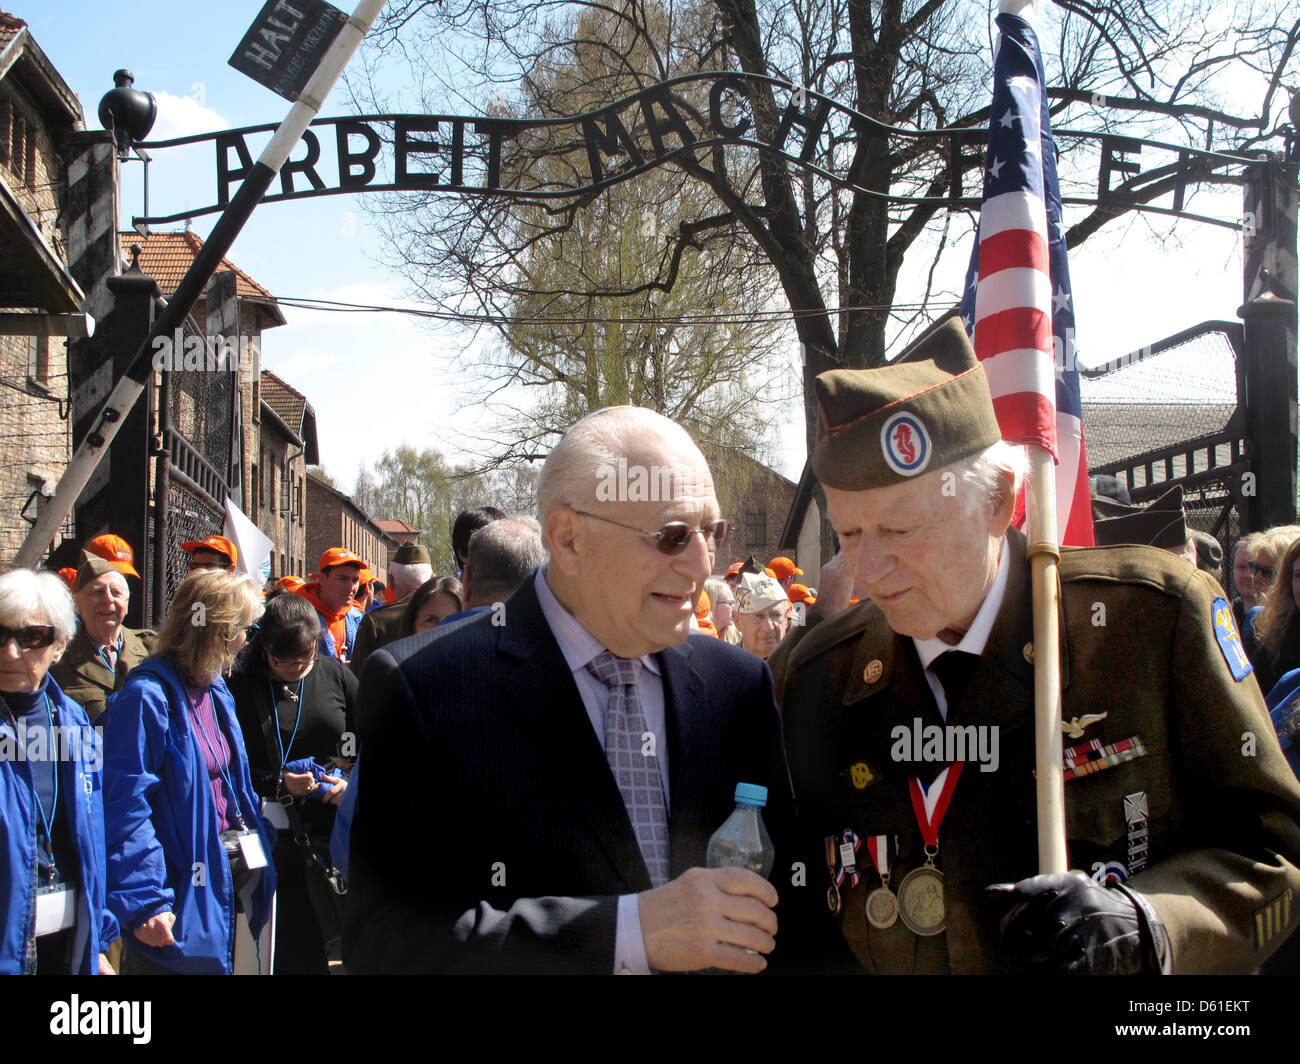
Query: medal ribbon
{"points": [[932, 806], [847, 836], [883, 849]]}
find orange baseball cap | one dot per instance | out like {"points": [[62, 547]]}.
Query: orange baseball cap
{"points": [[339, 556], [782, 567], [219, 544], [802, 593], [734, 568], [366, 575], [703, 606], [69, 577], [114, 550], [290, 583]]}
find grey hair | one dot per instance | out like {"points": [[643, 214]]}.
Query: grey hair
{"points": [[409, 577], [503, 553], [983, 476], [593, 446], [28, 596]]}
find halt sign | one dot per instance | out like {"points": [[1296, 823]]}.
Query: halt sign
{"points": [[286, 43]]}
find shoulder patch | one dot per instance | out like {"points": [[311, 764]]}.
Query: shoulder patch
{"points": [[1225, 631]]}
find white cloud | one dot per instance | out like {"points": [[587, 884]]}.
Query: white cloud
{"points": [[183, 116]]}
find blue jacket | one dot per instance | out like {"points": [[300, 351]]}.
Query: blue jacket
{"points": [[164, 840], [1281, 707], [80, 778], [352, 621]]}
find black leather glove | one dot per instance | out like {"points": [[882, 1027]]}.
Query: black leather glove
{"points": [[1065, 922]]}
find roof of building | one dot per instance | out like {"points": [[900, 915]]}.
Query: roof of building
{"points": [[291, 407], [20, 52], [166, 256], [396, 527], [1116, 431]]}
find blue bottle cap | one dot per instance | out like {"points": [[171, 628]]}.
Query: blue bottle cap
{"points": [[751, 794]]}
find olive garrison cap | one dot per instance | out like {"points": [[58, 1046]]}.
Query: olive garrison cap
{"points": [[92, 567], [411, 554], [929, 408], [1160, 523]]}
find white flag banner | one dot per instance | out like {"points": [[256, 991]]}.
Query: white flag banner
{"points": [[252, 543]]}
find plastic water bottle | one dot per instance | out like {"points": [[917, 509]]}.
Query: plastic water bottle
{"points": [[743, 841]]}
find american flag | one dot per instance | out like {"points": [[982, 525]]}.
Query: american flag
{"points": [[1017, 302]]}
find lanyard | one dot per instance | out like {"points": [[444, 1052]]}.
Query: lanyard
{"points": [[275, 716], [104, 658], [225, 774], [47, 821]]}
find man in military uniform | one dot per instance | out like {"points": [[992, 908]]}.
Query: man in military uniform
{"points": [[104, 650], [409, 569], [913, 766]]}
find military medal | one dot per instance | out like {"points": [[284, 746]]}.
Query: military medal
{"points": [[1136, 815], [882, 906], [842, 861], [920, 895], [833, 891]]}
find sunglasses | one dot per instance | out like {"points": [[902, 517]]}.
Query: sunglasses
{"points": [[30, 637], [1261, 570], [673, 537]]}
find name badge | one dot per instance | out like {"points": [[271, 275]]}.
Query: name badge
{"points": [[274, 812], [56, 908], [250, 845]]}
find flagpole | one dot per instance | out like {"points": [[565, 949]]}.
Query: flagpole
{"points": [[112, 414], [1044, 565]]}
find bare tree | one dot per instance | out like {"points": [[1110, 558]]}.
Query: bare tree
{"points": [[915, 65]]}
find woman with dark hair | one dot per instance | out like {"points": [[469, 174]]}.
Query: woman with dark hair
{"points": [[296, 712], [433, 602], [1273, 639], [188, 848]]}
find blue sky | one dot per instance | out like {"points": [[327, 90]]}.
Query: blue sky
{"points": [[380, 380]]}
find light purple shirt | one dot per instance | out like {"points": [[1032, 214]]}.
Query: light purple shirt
{"points": [[580, 647]]}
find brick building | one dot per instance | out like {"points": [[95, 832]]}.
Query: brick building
{"points": [[755, 500], [39, 113], [277, 486], [334, 520]]}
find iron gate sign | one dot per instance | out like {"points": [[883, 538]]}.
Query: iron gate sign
{"points": [[464, 154]]}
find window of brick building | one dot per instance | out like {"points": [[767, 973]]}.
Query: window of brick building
{"points": [[256, 490], [18, 152], [6, 130], [38, 359], [755, 529]]}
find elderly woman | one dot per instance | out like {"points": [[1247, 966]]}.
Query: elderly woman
{"points": [[762, 614], [1273, 642], [187, 844], [52, 914], [296, 712], [723, 599]]}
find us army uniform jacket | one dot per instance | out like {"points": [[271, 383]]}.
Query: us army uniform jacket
{"points": [[1201, 817], [85, 678]]}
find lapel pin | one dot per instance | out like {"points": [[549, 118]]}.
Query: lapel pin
{"points": [[873, 671]]}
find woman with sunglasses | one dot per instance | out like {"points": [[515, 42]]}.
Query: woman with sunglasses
{"points": [[53, 919], [189, 852], [296, 712], [1273, 641]]}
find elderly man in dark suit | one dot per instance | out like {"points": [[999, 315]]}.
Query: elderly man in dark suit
{"points": [[540, 786]]}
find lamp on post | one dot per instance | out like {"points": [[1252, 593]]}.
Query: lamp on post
{"points": [[129, 114]]}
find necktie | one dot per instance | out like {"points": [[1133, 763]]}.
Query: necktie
{"points": [[110, 656], [636, 773], [954, 668]]}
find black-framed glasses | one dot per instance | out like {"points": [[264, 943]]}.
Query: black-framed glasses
{"points": [[1261, 570], [29, 637], [673, 537]]}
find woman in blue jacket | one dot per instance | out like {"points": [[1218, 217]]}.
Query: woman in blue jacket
{"points": [[188, 848], [53, 918]]}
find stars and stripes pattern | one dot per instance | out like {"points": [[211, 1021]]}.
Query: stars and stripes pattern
{"points": [[1017, 304]]}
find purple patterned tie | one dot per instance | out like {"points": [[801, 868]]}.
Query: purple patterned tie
{"points": [[636, 773]]}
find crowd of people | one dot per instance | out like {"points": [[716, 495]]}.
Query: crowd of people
{"points": [[571, 711]]}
